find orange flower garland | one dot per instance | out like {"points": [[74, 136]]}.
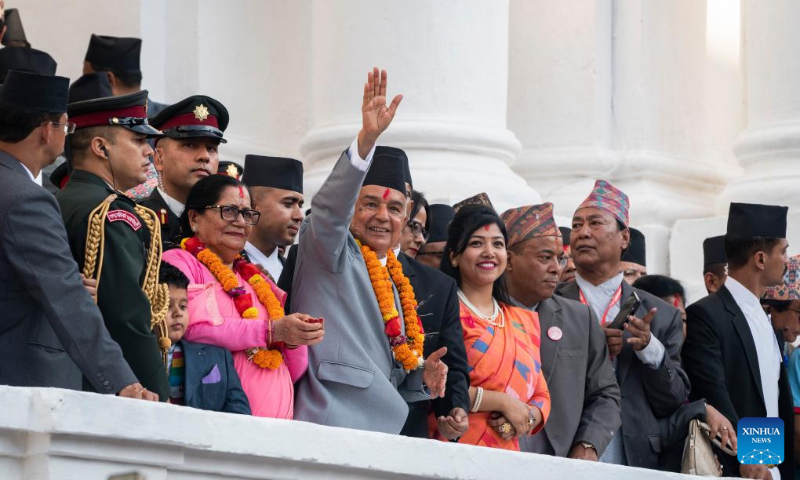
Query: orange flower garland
{"points": [[263, 357], [408, 349]]}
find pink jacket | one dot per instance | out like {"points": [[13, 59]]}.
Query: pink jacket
{"points": [[213, 320]]}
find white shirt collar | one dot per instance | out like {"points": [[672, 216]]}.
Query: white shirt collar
{"points": [[174, 205], [271, 262], [605, 289], [30, 174], [746, 300]]}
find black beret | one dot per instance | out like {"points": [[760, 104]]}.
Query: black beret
{"points": [[25, 59], [636, 252], [34, 92], [565, 233], [753, 220], [126, 111], [192, 117], [714, 250], [387, 171], [90, 86], [393, 152], [274, 172], [231, 169], [440, 216], [15, 34], [117, 53]]}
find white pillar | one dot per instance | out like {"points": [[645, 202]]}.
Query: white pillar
{"points": [[769, 147], [622, 95], [450, 60]]}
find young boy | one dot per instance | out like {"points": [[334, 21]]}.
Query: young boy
{"points": [[200, 376]]}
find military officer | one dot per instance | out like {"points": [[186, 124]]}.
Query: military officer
{"points": [[187, 152], [113, 240]]}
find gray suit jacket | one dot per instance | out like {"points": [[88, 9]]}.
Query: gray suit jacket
{"points": [[647, 393], [48, 321], [352, 379], [579, 376]]}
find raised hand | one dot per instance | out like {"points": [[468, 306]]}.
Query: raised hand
{"points": [[375, 114], [640, 330]]}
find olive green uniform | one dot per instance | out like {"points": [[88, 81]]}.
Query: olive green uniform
{"points": [[125, 307]]}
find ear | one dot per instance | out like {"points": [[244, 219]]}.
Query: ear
{"points": [[453, 258], [96, 146], [158, 160], [626, 238], [509, 262], [711, 281], [112, 80], [760, 260], [193, 218]]}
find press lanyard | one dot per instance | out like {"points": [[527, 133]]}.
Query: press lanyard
{"points": [[614, 299]]}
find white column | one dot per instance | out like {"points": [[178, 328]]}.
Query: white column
{"points": [[625, 95], [251, 55], [768, 149], [450, 60]]}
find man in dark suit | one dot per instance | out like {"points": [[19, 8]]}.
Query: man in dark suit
{"points": [[731, 353], [573, 347], [187, 152], [48, 319], [647, 351], [276, 185]]}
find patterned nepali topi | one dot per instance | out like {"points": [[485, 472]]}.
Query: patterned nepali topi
{"points": [[529, 221], [479, 199], [790, 289], [608, 198]]}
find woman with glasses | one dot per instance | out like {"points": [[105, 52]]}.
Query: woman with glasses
{"points": [[508, 392], [233, 305], [415, 232]]}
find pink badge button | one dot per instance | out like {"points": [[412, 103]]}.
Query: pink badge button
{"points": [[555, 333]]}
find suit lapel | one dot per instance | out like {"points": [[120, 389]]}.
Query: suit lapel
{"points": [[12, 163], [550, 315], [745, 335], [570, 290]]}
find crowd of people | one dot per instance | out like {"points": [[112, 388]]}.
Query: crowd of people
{"points": [[207, 287]]}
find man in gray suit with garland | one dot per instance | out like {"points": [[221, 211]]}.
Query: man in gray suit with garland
{"points": [[370, 363], [48, 321]]}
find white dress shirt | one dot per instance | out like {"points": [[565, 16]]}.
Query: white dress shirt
{"points": [[174, 205], [30, 174], [769, 354], [272, 263]]}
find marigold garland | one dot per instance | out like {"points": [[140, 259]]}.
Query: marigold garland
{"points": [[408, 349], [263, 357]]}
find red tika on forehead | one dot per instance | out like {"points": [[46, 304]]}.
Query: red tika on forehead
{"points": [[241, 192], [386, 194], [487, 227]]}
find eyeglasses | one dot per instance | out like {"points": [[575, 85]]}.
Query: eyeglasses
{"points": [[230, 214], [69, 127], [417, 228]]}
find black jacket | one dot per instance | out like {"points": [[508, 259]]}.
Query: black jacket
{"points": [[170, 223], [722, 363], [647, 393], [438, 308]]}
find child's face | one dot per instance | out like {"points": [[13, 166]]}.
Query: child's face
{"points": [[178, 314]]}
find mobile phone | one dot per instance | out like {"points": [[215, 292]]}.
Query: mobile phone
{"points": [[632, 303]]}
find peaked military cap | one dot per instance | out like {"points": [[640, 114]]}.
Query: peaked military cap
{"points": [[118, 53], [25, 59], [90, 86], [126, 111], [637, 251], [274, 172], [754, 220], [195, 116], [714, 250], [231, 169], [34, 92]]}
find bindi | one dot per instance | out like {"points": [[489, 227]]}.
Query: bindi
{"points": [[386, 194], [486, 227]]}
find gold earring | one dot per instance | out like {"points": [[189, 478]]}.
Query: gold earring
{"points": [[454, 264]]}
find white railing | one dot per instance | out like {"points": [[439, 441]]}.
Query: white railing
{"points": [[58, 434]]}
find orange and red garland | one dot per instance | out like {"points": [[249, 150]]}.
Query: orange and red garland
{"points": [[408, 348], [270, 358]]}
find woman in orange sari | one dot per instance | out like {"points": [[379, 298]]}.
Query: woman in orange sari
{"points": [[508, 393]]}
